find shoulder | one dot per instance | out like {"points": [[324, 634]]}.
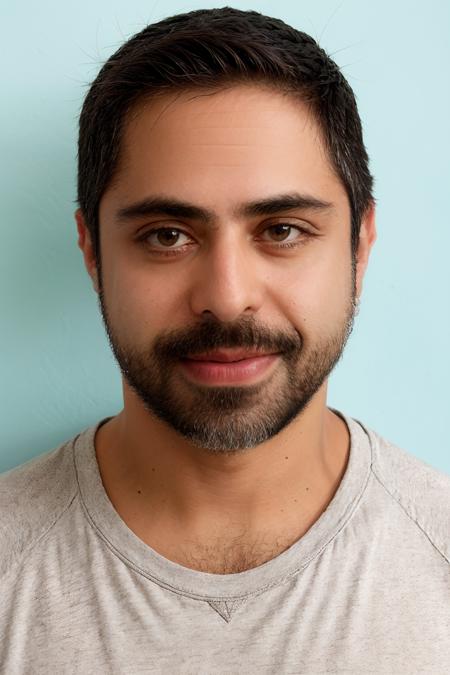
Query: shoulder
{"points": [[419, 488], [33, 496]]}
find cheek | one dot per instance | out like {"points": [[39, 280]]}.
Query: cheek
{"points": [[316, 292], [139, 303]]}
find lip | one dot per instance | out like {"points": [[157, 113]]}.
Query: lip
{"points": [[243, 371], [228, 355]]}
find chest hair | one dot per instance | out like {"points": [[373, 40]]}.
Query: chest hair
{"points": [[231, 557]]}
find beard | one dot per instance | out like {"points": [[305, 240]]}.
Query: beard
{"points": [[228, 419]]}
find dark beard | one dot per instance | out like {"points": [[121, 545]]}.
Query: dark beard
{"points": [[226, 419]]}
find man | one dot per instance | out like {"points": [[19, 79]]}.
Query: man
{"points": [[226, 520]]}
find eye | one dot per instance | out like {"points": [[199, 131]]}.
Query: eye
{"points": [[166, 237], [281, 230]]}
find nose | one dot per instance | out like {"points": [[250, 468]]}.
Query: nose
{"points": [[228, 280]]}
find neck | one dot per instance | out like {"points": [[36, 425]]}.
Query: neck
{"points": [[164, 488]]}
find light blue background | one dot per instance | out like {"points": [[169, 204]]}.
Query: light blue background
{"points": [[57, 373]]}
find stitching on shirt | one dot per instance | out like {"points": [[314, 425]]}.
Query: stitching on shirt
{"points": [[20, 558], [191, 594], [410, 516]]}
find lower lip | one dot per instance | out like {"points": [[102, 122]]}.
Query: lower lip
{"points": [[235, 372]]}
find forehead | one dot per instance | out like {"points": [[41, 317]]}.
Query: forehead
{"points": [[242, 141]]}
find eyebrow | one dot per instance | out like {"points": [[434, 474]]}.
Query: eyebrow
{"points": [[160, 205]]}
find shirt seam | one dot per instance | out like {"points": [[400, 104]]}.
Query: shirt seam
{"points": [[404, 508], [19, 560]]}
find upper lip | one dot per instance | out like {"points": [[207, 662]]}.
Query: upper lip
{"points": [[227, 355]]}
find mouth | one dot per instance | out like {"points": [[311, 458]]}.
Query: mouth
{"points": [[221, 368], [228, 356]]}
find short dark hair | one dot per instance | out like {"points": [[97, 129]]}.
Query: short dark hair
{"points": [[207, 49]]}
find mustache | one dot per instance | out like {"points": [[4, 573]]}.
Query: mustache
{"points": [[211, 335]]}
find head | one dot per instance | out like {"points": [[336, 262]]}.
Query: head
{"points": [[225, 200]]}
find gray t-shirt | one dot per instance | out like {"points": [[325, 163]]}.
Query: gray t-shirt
{"points": [[365, 590]]}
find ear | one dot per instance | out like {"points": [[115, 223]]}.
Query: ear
{"points": [[367, 238], [85, 244]]}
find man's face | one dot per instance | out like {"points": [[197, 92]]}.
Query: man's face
{"points": [[227, 282]]}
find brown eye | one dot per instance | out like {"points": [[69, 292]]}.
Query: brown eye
{"points": [[164, 237], [167, 236], [280, 230]]}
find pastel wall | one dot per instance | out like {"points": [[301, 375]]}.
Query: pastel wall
{"points": [[57, 373]]}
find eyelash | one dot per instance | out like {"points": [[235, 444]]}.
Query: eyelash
{"points": [[178, 251]]}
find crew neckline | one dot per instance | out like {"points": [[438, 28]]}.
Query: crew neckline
{"points": [[138, 555]]}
